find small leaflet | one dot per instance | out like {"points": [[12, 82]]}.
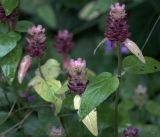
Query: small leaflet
{"points": [[90, 121]]}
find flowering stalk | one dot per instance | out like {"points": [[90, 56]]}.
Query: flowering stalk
{"points": [[35, 48], [64, 44], [119, 54]]}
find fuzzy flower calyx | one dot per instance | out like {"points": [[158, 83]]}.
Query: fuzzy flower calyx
{"points": [[36, 41], [77, 77]]}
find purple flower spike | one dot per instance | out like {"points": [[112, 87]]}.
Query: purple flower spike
{"points": [[77, 77], [64, 42], [131, 132], [117, 25], [36, 41]]}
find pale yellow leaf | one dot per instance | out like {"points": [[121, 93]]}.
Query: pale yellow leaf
{"points": [[134, 49], [90, 121]]}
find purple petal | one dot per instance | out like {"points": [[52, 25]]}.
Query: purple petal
{"points": [[108, 47], [23, 94], [124, 50], [30, 98]]}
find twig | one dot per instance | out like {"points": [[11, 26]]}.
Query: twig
{"points": [[9, 114], [32, 107], [150, 33], [16, 125]]}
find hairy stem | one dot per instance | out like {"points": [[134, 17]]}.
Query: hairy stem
{"points": [[117, 92]]}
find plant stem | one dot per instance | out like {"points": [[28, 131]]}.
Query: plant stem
{"points": [[41, 74], [40, 71], [119, 55], [16, 126]]}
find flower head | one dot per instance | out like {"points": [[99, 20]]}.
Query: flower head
{"points": [[77, 77], [36, 41], [117, 24], [64, 42], [131, 132], [117, 30]]}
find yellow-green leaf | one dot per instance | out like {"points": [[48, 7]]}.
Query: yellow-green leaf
{"points": [[47, 89], [50, 70]]}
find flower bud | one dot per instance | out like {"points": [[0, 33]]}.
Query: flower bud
{"points": [[140, 95], [36, 41], [24, 66], [77, 77], [131, 132], [56, 132], [117, 25], [64, 42]]}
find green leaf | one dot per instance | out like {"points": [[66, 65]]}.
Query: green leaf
{"points": [[133, 65], [9, 64], [153, 108], [50, 70], [46, 13], [63, 89], [8, 42], [99, 89], [47, 89], [9, 5], [23, 26]]}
